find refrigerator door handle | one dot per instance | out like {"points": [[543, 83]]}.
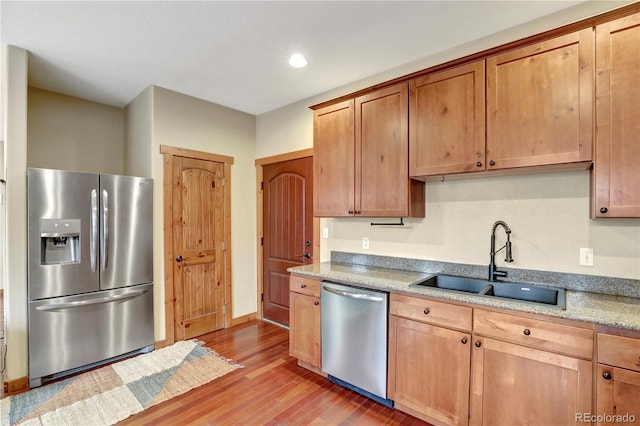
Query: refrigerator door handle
{"points": [[104, 242], [81, 303], [353, 295], [93, 225]]}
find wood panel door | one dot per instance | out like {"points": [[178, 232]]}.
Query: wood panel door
{"points": [[447, 121], [540, 103], [617, 153], [198, 213], [287, 229], [617, 394], [334, 160], [517, 385], [382, 153], [429, 371]]}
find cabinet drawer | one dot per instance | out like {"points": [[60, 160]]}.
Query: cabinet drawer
{"points": [[619, 351], [430, 311], [561, 338], [304, 285]]}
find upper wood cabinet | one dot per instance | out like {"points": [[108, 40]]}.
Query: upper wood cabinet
{"points": [[540, 103], [361, 158], [334, 160], [616, 176], [447, 121]]}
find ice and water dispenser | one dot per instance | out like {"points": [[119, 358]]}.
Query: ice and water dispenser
{"points": [[59, 241]]}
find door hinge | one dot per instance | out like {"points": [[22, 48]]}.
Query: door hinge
{"points": [[261, 241], [262, 185], [224, 181], [262, 297], [224, 309]]}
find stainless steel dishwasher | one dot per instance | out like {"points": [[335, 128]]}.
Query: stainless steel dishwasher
{"points": [[354, 339]]}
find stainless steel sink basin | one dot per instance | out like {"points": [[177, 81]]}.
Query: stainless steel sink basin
{"points": [[522, 293]]}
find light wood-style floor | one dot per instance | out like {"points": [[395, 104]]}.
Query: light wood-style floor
{"points": [[270, 390]]}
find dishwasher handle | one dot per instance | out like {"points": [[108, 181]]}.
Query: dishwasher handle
{"points": [[359, 296]]}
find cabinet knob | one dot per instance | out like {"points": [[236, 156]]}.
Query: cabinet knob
{"points": [[478, 344], [350, 211], [316, 303], [606, 375], [527, 332], [358, 212], [603, 209], [492, 163], [464, 340], [303, 286], [426, 311], [479, 164]]}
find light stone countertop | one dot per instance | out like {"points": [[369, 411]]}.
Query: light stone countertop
{"points": [[600, 309]]}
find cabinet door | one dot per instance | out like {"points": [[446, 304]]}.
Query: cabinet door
{"points": [[447, 121], [617, 153], [513, 384], [334, 160], [429, 371], [617, 394], [304, 331], [382, 153], [540, 103]]}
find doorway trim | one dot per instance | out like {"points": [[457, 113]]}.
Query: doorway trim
{"points": [[168, 153], [260, 162]]}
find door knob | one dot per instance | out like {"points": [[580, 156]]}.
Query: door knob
{"points": [[307, 255], [179, 259]]}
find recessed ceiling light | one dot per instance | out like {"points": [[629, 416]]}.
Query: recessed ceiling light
{"points": [[297, 60]]}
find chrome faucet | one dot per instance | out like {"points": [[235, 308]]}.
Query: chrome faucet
{"points": [[494, 273]]}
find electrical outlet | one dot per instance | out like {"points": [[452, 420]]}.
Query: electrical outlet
{"points": [[365, 243], [586, 257], [325, 232]]}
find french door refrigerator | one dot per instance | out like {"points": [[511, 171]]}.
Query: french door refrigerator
{"points": [[90, 270]]}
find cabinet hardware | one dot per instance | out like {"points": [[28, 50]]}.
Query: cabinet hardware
{"points": [[492, 163], [603, 210], [606, 375], [350, 211], [316, 303], [464, 340], [479, 164], [426, 311], [527, 332], [478, 344], [303, 285]]}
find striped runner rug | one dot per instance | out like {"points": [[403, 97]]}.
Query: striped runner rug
{"points": [[112, 393]]}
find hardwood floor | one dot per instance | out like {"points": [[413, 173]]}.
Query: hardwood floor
{"points": [[270, 390]]}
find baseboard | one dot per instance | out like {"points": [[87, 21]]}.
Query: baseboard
{"points": [[242, 319], [16, 386], [161, 343]]}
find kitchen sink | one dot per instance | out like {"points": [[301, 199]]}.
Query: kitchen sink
{"points": [[450, 282], [517, 292]]}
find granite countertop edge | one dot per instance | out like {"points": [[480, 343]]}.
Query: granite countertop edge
{"points": [[599, 309]]}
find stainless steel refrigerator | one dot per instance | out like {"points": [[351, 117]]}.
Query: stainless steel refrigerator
{"points": [[90, 270]]}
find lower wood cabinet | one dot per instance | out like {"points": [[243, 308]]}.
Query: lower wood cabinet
{"points": [[428, 363], [304, 320], [618, 380], [527, 370], [517, 385]]}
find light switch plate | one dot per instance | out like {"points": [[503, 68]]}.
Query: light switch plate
{"points": [[586, 256], [325, 232], [365, 243]]}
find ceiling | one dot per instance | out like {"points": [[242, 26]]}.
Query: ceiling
{"points": [[235, 53]]}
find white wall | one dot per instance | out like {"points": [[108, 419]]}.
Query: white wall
{"points": [[69, 133], [14, 117], [187, 122], [139, 135], [548, 212]]}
